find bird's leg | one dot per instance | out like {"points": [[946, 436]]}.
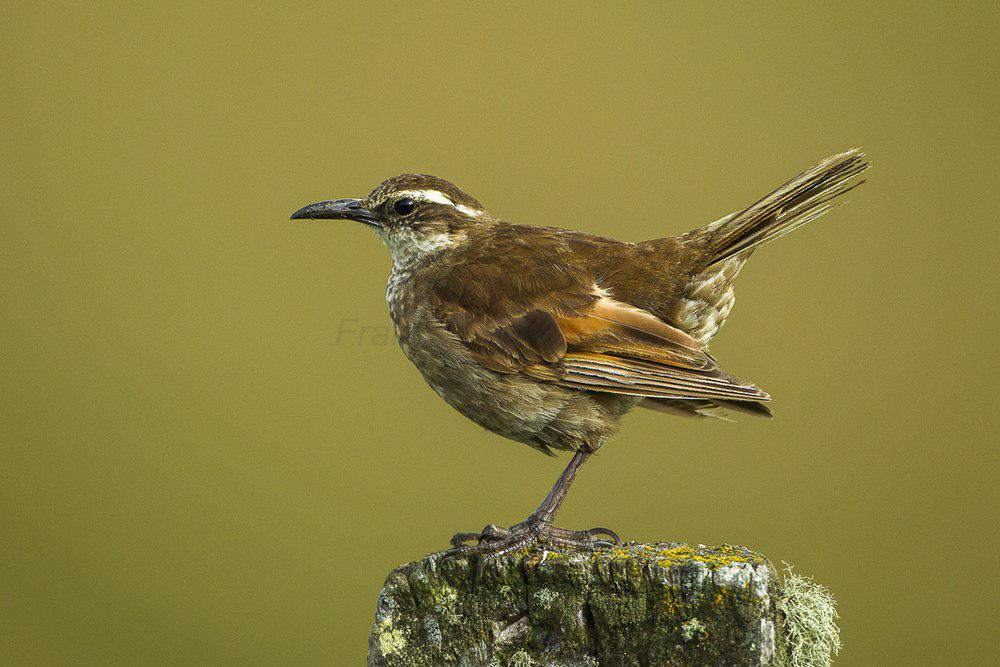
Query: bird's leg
{"points": [[546, 511], [537, 528]]}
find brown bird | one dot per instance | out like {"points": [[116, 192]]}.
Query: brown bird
{"points": [[548, 336]]}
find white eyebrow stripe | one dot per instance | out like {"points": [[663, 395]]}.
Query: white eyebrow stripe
{"points": [[462, 208], [439, 197], [435, 196]]}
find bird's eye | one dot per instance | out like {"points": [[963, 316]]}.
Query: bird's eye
{"points": [[405, 206]]}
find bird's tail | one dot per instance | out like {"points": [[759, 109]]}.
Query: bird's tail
{"points": [[797, 202]]}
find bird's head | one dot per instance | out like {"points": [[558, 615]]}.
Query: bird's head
{"points": [[415, 214]]}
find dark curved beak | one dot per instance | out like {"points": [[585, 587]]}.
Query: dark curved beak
{"points": [[337, 209]]}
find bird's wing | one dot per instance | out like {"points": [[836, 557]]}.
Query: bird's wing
{"points": [[501, 295], [547, 318], [615, 348]]}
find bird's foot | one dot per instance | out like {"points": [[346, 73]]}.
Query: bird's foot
{"points": [[494, 541]]}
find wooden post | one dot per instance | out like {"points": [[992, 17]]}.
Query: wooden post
{"points": [[639, 604]]}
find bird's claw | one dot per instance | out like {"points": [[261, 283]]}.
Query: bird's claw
{"points": [[494, 541], [489, 532]]}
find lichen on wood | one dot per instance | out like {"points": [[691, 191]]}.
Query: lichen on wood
{"points": [[809, 617], [638, 604]]}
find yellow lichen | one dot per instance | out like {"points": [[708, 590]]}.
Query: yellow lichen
{"points": [[390, 640], [713, 558], [445, 600]]}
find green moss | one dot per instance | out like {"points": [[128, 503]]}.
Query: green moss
{"points": [[545, 597], [521, 659], [662, 603], [693, 629]]}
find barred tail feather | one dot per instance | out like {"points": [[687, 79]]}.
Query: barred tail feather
{"points": [[796, 203]]}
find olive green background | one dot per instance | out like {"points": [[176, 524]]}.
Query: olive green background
{"points": [[213, 454]]}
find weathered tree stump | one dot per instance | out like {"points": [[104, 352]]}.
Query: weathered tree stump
{"points": [[639, 604]]}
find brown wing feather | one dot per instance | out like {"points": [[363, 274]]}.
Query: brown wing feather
{"points": [[617, 375], [617, 348], [549, 320], [613, 327], [502, 294]]}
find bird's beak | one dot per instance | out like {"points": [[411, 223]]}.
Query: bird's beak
{"points": [[337, 209]]}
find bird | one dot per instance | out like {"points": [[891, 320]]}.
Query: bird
{"points": [[548, 336]]}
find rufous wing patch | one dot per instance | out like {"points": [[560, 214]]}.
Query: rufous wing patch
{"points": [[618, 328]]}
